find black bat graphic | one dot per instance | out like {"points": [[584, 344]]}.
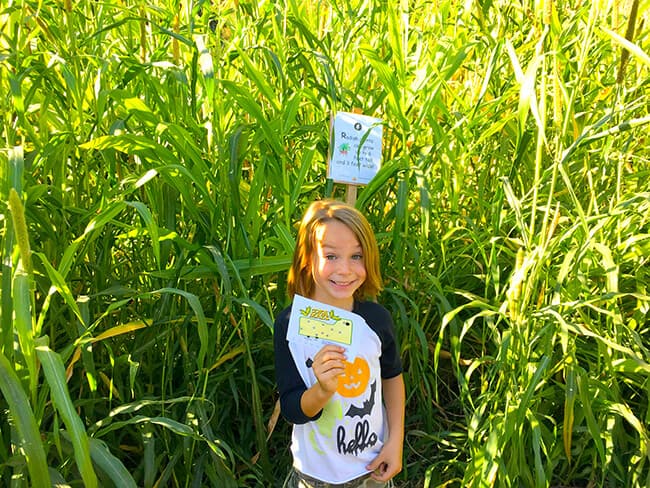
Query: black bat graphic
{"points": [[366, 409]]}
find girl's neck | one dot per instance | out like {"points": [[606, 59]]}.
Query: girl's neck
{"points": [[343, 304]]}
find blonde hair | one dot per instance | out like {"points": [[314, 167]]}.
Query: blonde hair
{"points": [[301, 280]]}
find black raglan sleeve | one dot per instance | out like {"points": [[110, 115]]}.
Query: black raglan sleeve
{"points": [[290, 384], [380, 320]]}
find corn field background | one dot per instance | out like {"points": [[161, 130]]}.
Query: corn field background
{"points": [[156, 157]]}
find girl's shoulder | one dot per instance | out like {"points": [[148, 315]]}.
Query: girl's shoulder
{"points": [[371, 309], [375, 314], [282, 319], [284, 314]]}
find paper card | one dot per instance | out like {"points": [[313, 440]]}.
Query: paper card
{"points": [[320, 324], [355, 148]]}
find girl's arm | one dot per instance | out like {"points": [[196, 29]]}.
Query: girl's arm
{"points": [[328, 366], [300, 404], [389, 461], [290, 384]]}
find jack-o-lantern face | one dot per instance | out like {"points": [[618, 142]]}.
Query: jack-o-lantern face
{"points": [[354, 381]]}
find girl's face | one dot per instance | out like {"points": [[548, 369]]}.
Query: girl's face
{"points": [[338, 265]]}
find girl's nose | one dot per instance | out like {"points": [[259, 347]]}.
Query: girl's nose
{"points": [[344, 266]]}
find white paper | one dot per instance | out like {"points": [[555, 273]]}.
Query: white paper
{"points": [[319, 324], [355, 148]]}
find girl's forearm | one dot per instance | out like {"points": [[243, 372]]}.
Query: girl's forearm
{"points": [[394, 400], [313, 400]]}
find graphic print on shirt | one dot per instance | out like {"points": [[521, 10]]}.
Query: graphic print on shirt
{"points": [[366, 408], [332, 413], [354, 380], [352, 384]]}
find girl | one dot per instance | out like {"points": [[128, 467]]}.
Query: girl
{"points": [[347, 432]]}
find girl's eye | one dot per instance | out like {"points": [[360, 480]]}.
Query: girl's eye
{"points": [[357, 257], [330, 257]]}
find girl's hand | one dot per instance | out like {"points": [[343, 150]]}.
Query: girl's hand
{"points": [[328, 365], [387, 463], [389, 460]]}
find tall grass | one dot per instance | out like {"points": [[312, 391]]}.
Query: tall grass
{"points": [[158, 155]]}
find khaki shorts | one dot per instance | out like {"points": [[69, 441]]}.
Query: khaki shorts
{"points": [[299, 480]]}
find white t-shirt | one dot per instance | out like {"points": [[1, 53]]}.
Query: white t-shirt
{"points": [[349, 434]]}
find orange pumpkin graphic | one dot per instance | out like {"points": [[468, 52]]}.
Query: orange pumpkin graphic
{"points": [[354, 381]]}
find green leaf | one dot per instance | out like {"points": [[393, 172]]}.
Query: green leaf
{"points": [[259, 309], [111, 465], [59, 284], [151, 227], [23, 417], [23, 325], [55, 376], [258, 78], [630, 46], [586, 400], [202, 325], [569, 403], [248, 103]]}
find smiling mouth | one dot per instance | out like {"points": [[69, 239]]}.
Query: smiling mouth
{"points": [[341, 283]]}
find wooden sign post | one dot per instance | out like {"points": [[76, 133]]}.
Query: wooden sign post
{"points": [[355, 151]]}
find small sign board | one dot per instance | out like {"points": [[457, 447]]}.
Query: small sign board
{"points": [[355, 148]]}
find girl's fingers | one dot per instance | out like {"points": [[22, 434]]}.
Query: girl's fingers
{"points": [[328, 365], [333, 366], [330, 352]]}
